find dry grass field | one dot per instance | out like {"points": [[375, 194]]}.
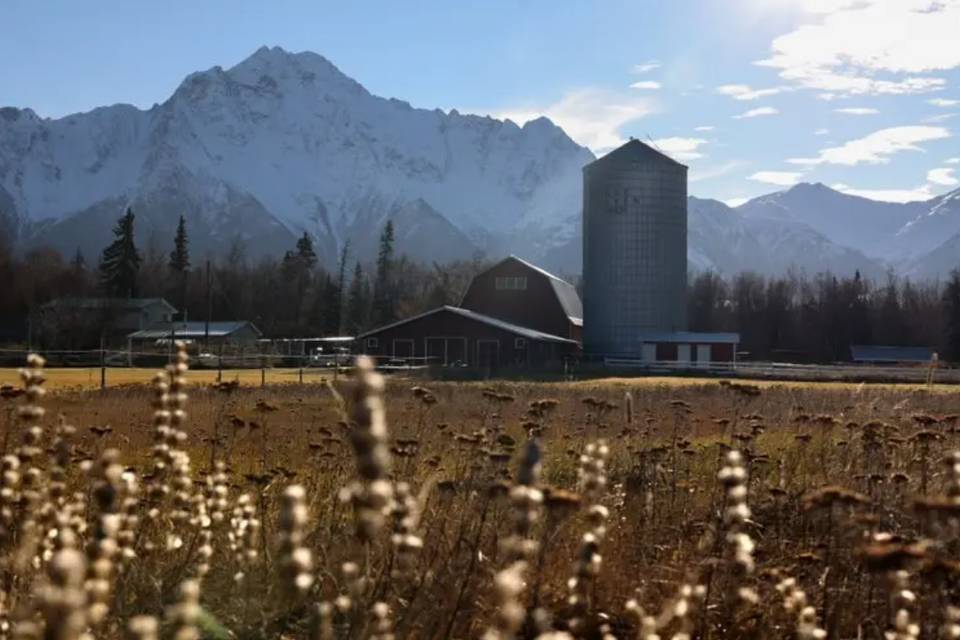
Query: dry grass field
{"points": [[607, 509]]}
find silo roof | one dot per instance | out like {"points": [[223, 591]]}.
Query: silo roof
{"points": [[636, 151]]}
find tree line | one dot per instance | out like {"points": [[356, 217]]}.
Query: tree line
{"points": [[801, 318], [289, 296], [793, 317]]}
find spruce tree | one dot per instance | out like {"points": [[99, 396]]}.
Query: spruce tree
{"points": [[338, 311], [383, 295], [951, 317], [357, 302], [305, 251], [120, 262], [180, 256]]}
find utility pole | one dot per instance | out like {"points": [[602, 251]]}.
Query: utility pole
{"points": [[206, 328]]}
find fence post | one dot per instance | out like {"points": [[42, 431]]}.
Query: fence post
{"points": [[301, 373], [263, 372], [220, 363], [103, 368]]}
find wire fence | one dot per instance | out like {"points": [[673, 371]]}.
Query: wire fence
{"points": [[96, 368]]}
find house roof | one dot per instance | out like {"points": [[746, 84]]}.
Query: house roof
{"points": [[192, 330], [525, 332], [566, 293], [636, 151], [691, 337], [881, 353], [127, 304]]}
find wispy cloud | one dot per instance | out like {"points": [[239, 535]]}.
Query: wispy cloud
{"points": [[821, 132], [943, 102], [756, 113], [709, 173], [888, 195], [591, 116], [942, 117], [681, 148], [853, 44], [943, 176], [645, 84], [646, 67], [745, 92], [952, 161], [858, 111], [877, 147], [780, 178], [704, 128]]}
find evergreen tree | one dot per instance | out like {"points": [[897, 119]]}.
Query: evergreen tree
{"points": [[951, 317], [120, 262], [340, 286], [384, 300], [305, 251], [180, 256], [357, 302]]}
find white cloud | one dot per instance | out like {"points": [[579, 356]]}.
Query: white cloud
{"points": [[877, 147], [952, 161], [645, 84], [591, 116], [759, 111], [943, 117], [943, 102], [735, 202], [646, 67], [943, 176], [858, 111], [704, 128], [681, 148], [745, 92], [708, 173], [780, 178], [853, 44], [888, 195], [821, 132]]}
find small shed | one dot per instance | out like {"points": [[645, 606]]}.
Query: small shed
{"points": [[695, 348], [240, 333], [883, 354], [453, 336]]}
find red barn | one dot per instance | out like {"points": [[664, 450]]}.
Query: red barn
{"points": [[519, 292]]}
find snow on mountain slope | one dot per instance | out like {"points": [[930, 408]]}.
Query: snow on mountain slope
{"points": [[865, 225], [292, 137], [724, 240], [937, 219]]}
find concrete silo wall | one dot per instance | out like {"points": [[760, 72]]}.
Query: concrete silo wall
{"points": [[634, 252]]}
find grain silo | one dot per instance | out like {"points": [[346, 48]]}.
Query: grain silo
{"points": [[634, 249]]}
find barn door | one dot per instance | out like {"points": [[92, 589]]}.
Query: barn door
{"points": [[488, 353], [436, 351]]}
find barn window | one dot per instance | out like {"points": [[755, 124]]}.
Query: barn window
{"points": [[519, 343], [511, 283], [372, 343]]}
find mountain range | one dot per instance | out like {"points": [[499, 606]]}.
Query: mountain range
{"points": [[285, 143]]}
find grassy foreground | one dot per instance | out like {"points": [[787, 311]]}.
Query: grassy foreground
{"points": [[464, 510]]}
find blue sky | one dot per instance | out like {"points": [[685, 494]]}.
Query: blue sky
{"points": [[754, 95]]}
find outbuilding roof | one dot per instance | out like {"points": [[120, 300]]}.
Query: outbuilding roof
{"points": [[525, 332], [883, 353], [692, 337], [192, 330]]}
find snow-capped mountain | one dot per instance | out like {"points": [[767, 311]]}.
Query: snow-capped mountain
{"points": [[284, 143], [913, 238], [280, 144]]}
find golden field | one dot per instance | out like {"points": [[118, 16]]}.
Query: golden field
{"points": [[639, 508]]}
